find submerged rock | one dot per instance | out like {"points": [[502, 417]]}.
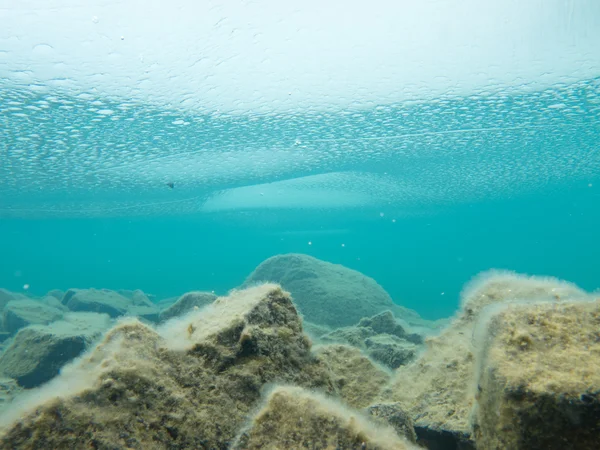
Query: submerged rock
{"points": [[51, 300], [9, 390], [38, 352], [438, 389], [539, 377], [56, 293], [357, 379], [394, 415], [391, 351], [21, 313], [7, 296], [187, 302], [190, 384], [381, 337], [293, 418], [327, 294], [101, 301]]}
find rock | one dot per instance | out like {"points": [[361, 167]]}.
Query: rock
{"points": [[371, 335], [539, 377], [39, 351], [357, 379], [54, 302], [350, 335], [391, 351], [315, 331], [9, 389], [138, 297], [326, 294], [385, 323], [293, 418], [394, 415], [189, 384], [147, 313], [165, 303], [101, 301], [186, 303], [7, 296], [56, 293], [437, 389], [21, 313]]}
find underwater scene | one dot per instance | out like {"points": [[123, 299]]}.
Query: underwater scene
{"points": [[300, 225]]}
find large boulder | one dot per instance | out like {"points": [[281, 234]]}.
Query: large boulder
{"points": [[326, 293], [18, 314], [437, 389], [191, 383], [293, 418], [38, 352], [538, 385]]}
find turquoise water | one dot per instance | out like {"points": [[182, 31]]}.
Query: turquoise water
{"points": [[419, 196]]}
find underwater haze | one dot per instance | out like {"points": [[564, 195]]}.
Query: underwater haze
{"points": [[174, 147]]}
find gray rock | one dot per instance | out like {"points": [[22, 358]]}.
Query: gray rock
{"points": [[18, 314], [381, 337], [326, 293], [39, 351], [186, 303], [166, 302], [53, 301], [56, 293], [7, 296], [137, 296], [147, 313], [100, 301]]}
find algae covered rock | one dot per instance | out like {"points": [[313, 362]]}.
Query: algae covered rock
{"points": [[38, 352], [539, 377], [186, 303], [381, 337], [438, 389], [293, 418], [189, 384], [391, 351], [356, 378], [396, 417], [21, 313], [326, 293], [97, 300]]}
